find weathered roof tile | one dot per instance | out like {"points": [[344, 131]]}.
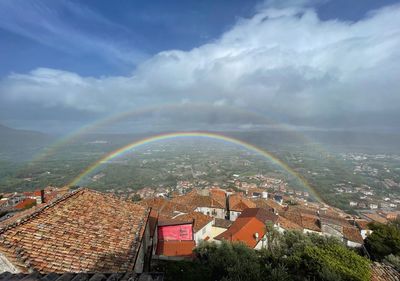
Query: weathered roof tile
{"points": [[82, 231]]}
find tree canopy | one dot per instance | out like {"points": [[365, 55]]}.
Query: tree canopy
{"points": [[291, 256], [384, 240]]}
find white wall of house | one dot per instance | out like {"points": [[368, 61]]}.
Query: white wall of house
{"points": [[353, 244], [205, 210], [262, 243], [204, 232], [305, 230], [214, 212], [233, 215], [365, 233]]}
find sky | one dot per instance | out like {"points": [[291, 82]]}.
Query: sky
{"points": [[321, 65]]}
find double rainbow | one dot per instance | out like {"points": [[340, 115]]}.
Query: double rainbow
{"points": [[207, 135]]}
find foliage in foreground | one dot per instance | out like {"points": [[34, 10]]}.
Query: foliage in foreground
{"points": [[384, 240], [292, 256], [384, 243]]}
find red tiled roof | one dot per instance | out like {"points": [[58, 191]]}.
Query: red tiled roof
{"points": [[287, 224], [307, 221], [244, 229], [268, 204], [219, 195], [261, 214], [200, 220], [83, 231], [238, 203], [383, 272], [222, 223], [165, 207], [362, 224], [26, 203], [352, 234], [175, 248], [176, 221], [375, 217], [194, 200], [310, 222]]}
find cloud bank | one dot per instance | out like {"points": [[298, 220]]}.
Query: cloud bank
{"points": [[284, 63]]}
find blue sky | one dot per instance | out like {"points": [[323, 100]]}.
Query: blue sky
{"points": [[140, 29], [59, 59]]}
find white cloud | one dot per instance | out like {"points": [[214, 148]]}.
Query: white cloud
{"points": [[285, 61]]}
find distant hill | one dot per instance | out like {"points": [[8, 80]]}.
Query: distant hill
{"points": [[20, 144]]}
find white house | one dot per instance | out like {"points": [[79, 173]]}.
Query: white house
{"points": [[202, 226]]}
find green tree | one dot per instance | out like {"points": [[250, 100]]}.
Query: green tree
{"points": [[384, 240], [335, 262], [136, 198], [231, 261]]}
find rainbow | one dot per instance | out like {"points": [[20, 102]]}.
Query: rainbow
{"points": [[110, 120], [209, 135]]}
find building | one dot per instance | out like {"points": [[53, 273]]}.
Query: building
{"points": [[269, 204], [236, 204], [283, 224], [308, 222], [202, 225], [352, 237], [83, 231], [211, 204], [175, 239], [364, 228], [219, 226], [278, 199], [166, 208], [249, 228]]}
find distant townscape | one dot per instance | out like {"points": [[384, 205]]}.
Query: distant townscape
{"points": [[81, 230]]}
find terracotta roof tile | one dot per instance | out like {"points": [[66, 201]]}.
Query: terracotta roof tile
{"points": [[310, 222], [304, 220], [200, 220], [26, 203], [244, 228], [238, 203], [164, 207], [219, 195], [353, 234], [268, 204], [362, 224], [194, 200], [82, 231], [222, 223], [288, 224], [383, 272], [376, 217]]}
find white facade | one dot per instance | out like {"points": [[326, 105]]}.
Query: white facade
{"points": [[214, 212], [233, 215], [365, 233], [204, 232], [262, 243], [305, 230], [353, 244]]}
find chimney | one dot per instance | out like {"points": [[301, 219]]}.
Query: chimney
{"points": [[256, 236], [42, 196]]}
